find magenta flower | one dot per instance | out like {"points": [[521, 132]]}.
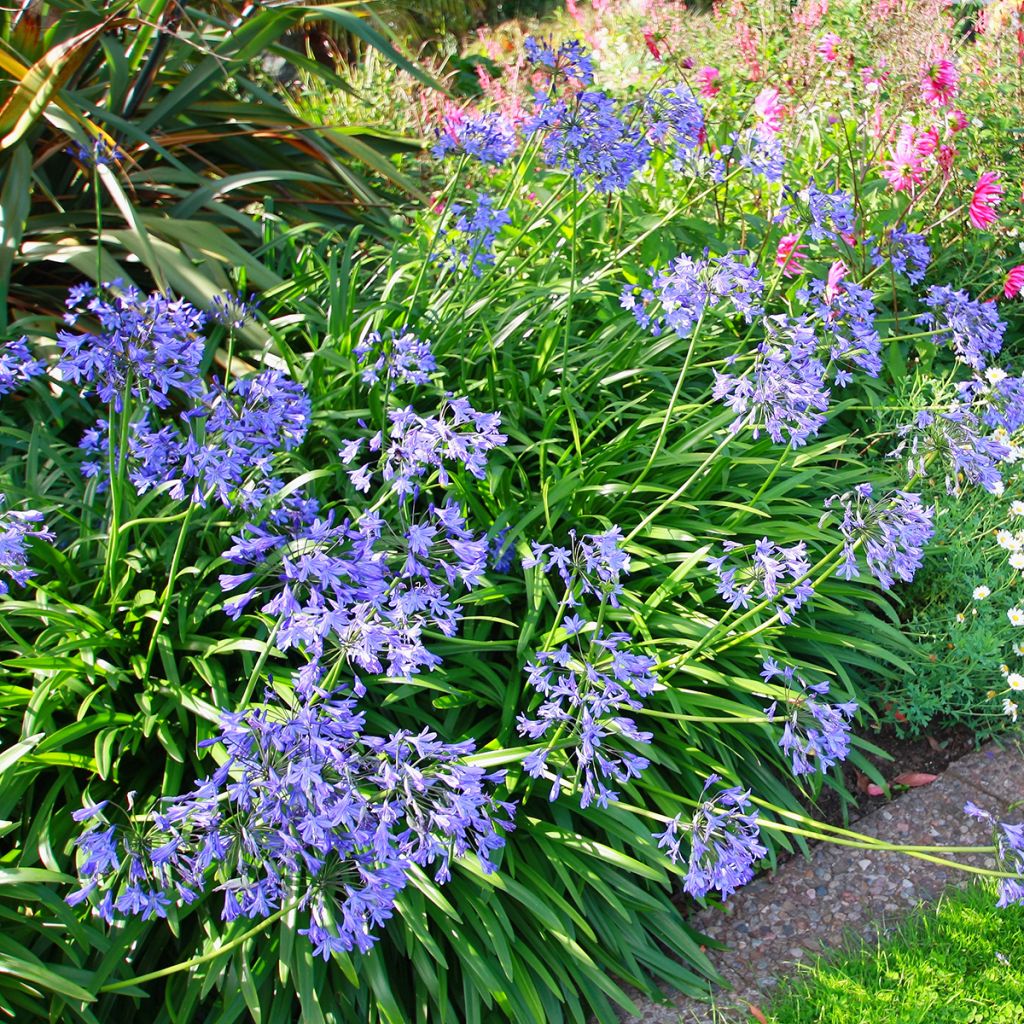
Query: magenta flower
{"points": [[1014, 282], [904, 169], [789, 254], [769, 111], [939, 82], [987, 194], [828, 47], [707, 81]]}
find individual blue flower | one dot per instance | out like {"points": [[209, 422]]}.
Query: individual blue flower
{"points": [[588, 136], [590, 685], [148, 345], [16, 528], [17, 365], [724, 839], [971, 328], [1009, 844], [893, 532], [400, 358], [815, 734], [770, 572], [468, 238], [490, 137]]}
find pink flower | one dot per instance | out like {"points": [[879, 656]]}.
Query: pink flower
{"points": [[652, 46], [939, 83], [927, 142], [947, 154], [789, 254], [904, 170], [1014, 282], [833, 286], [987, 194], [828, 47], [769, 110], [957, 121], [707, 78], [811, 13]]}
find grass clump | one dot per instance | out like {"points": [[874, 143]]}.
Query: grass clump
{"points": [[959, 962]]}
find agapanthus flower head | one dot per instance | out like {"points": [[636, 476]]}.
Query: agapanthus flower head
{"points": [[998, 399], [784, 392], [769, 572], [100, 152], [148, 345], [970, 327], [815, 734], [16, 527], [846, 313], [306, 806], [984, 200], [789, 255], [939, 82], [761, 153], [234, 310], [908, 252], [832, 214], [489, 136], [570, 63], [681, 293], [904, 170], [675, 120], [468, 238], [591, 684], [1009, 845], [1014, 282], [587, 134], [892, 531], [955, 441], [400, 358], [725, 841], [17, 365], [707, 81], [593, 565]]}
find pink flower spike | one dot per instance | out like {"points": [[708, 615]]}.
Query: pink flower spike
{"points": [[789, 255], [987, 194], [707, 78], [1014, 282], [833, 286]]}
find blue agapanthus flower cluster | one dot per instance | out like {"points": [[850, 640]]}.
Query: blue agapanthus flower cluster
{"points": [[400, 358], [592, 565], [234, 310], [770, 572], [17, 365], [675, 120], [831, 213], [414, 447], [489, 136], [909, 253], [680, 295], [996, 397], [16, 527], [846, 312], [305, 810], [468, 239], [815, 734], [98, 153], [957, 441], [590, 685], [761, 154], [971, 328], [1009, 842], [587, 134], [725, 841], [148, 345], [784, 392], [226, 448], [893, 531], [570, 62]]}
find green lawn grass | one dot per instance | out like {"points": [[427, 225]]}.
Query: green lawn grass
{"points": [[959, 962]]}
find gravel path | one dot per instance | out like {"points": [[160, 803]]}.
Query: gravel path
{"points": [[788, 916]]}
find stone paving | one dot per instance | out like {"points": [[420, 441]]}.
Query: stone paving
{"points": [[787, 916]]}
